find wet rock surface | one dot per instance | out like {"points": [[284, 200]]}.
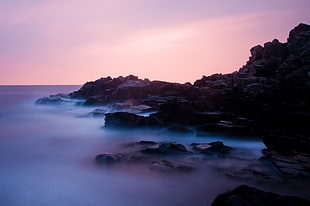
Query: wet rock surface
{"points": [[244, 195]]}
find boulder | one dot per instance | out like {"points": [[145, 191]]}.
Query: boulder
{"points": [[244, 195]]}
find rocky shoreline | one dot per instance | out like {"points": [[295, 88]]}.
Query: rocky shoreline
{"points": [[268, 97]]}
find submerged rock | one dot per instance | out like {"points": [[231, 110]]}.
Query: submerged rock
{"points": [[244, 195]]}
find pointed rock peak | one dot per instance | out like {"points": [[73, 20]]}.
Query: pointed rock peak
{"points": [[299, 30]]}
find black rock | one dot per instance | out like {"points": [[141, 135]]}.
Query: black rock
{"points": [[248, 196], [212, 148], [167, 148]]}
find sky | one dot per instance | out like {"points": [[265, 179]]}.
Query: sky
{"points": [[50, 42]]}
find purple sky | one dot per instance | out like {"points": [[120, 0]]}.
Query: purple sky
{"points": [[74, 41]]}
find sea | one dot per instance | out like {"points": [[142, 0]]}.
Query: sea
{"points": [[47, 157]]}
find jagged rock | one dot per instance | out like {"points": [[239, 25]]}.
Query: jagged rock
{"points": [[244, 195], [165, 165], [212, 148]]}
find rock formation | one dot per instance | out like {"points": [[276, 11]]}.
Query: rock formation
{"points": [[270, 94]]}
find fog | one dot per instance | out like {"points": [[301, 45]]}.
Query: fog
{"points": [[47, 158]]}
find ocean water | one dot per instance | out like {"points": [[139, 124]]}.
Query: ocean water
{"points": [[47, 158]]}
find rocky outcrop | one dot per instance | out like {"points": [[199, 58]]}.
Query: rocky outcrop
{"points": [[272, 90], [270, 94], [250, 196], [131, 90]]}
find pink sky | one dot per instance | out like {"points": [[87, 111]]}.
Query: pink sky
{"points": [[74, 41]]}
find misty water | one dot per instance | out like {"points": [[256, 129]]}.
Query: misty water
{"points": [[47, 158]]}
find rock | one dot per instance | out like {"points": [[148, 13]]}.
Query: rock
{"points": [[167, 148], [123, 120], [244, 195], [165, 165], [222, 126], [212, 148], [179, 113], [108, 158], [289, 154], [129, 120]]}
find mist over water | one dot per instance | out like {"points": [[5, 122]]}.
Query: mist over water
{"points": [[47, 158]]}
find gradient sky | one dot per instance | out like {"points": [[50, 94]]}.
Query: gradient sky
{"points": [[74, 41]]}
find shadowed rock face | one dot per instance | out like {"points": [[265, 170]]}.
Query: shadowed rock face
{"points": [[249, 196]]}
